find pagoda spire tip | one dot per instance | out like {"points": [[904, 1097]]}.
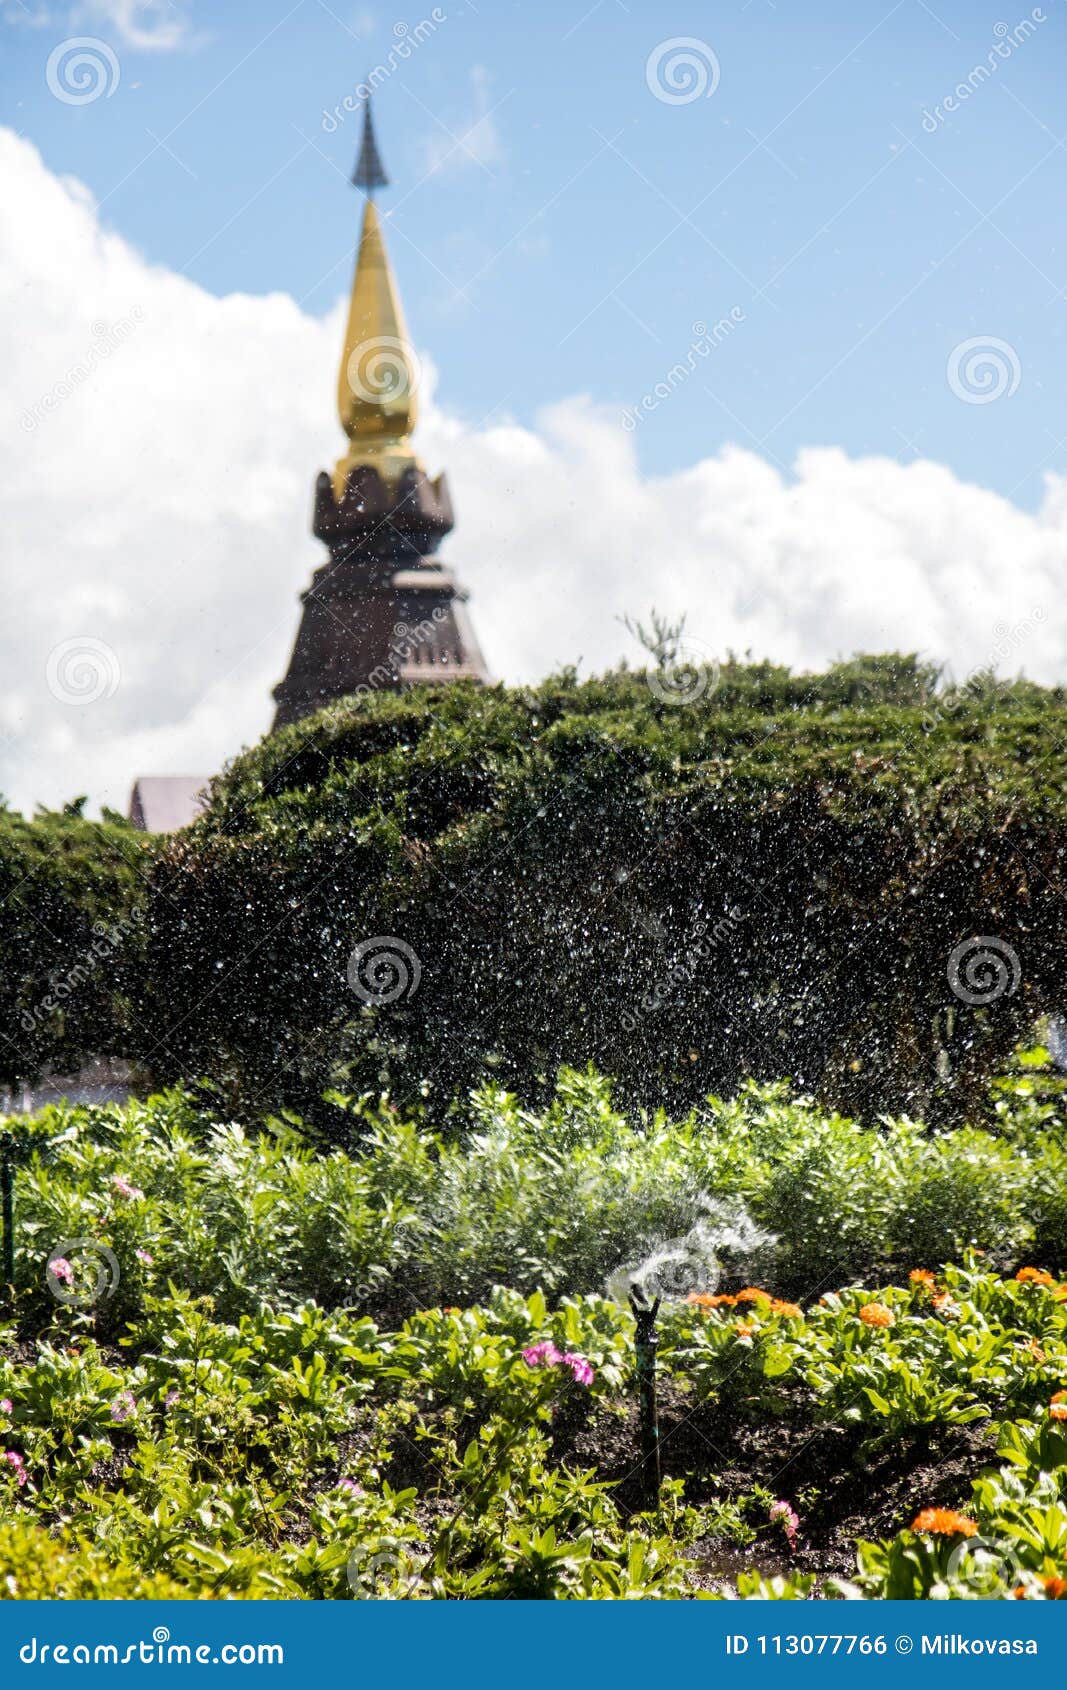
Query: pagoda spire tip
{"points": [[369, 173]]}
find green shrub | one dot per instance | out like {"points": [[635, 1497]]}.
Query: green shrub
{"points": [[557, 1198], [71, 940], [36, 1566], [770, 881]]}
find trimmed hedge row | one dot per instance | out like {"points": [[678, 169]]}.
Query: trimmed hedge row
{"points": [[72, 908], [777, 879]]}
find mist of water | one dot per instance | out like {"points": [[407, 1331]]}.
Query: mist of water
{"points": [[675, 1267]]}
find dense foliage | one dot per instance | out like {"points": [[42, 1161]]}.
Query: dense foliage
{"points": [[71, 940], [770, 880], [378, 1344], [554, 1199], [254, 1432]]}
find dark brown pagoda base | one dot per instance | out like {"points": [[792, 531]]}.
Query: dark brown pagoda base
{"points": [[383, 613]]}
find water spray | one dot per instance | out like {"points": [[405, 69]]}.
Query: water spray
{"points": [[673, 1270]]}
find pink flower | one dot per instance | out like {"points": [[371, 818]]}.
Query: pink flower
{"points": [[123, 1406], [582, 1369], [542, 1355], [15, 1461], [124, 1188], [61, 1269], [784, 1514], [5, 1405], [547, 1355], [143, 1256], [171, 1398], [350, 1485]]}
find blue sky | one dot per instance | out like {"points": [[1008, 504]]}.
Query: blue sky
{"points": [[595, 223]]}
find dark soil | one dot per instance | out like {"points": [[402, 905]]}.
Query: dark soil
{"points": [[842, 1488]]}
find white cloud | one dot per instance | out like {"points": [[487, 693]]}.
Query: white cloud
{"points": [[472, 138], [145, 25], [148, 25], [156, 498]]}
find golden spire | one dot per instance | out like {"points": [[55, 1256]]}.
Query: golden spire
{"points": [[378, 380]]}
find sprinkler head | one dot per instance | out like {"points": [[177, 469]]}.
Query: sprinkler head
{"points": [[644, 1312]]}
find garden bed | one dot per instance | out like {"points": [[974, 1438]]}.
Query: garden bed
{"points": [[234, 1366]]}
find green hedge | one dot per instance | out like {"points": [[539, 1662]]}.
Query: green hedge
{"points": [[71, 939], [770, 881]]}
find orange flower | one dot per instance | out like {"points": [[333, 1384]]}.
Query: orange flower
{"points": [[943, 1304], [1019, 1593], [1060, 1396], [1034, 1276], [752, 1294], [744, 1331], [923, 1277], [876, 1314], [1058, 1410], [792, 1311], [1056, 1589], [944, 1522], [705, 1300]]}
